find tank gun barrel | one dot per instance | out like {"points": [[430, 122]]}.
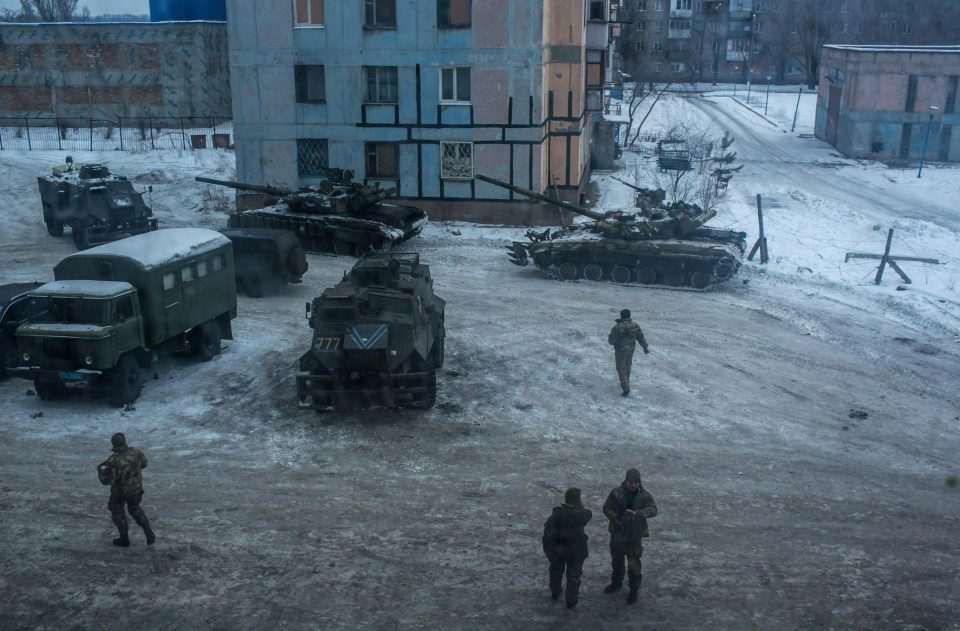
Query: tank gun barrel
{"points": [[241, 186], [634, 187], [580, 210]]}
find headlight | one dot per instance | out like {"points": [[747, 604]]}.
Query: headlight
{"points": [[26, 357], [88, 360]]}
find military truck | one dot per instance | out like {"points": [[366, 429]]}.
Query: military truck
{"points": [[264, 257], [13, 307], [97, 206], [112, 309], [378, 338]]}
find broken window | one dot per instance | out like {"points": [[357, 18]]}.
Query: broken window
{"points": [[383, 159], [310, 84]]}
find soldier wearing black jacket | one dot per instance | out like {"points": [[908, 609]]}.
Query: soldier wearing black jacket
{"points": [[565, 544], [628, 507]]}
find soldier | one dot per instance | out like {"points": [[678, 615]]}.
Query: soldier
{"points": [[565, 544], [624, 337], [628, 507], [122, 472]]}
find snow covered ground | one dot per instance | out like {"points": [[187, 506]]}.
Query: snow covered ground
{"points": [[798, 428]]}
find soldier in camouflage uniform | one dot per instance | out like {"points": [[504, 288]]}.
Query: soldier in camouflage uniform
{"points": [[628, 507], [565, 544], [624, 337], [122, 472]]}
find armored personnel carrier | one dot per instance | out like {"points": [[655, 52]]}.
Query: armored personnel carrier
{"points": [[97, 205], [660, 244], [336, 215], [378, 338]]}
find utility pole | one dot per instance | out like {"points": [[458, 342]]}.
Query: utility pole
{"points": [[923, 153]]}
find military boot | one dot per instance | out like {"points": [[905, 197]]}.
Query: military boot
{"points": [[148, 531], [123, 540], [612, 587], [634, 588]]}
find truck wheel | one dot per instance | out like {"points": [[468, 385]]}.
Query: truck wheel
{"points": [[253, 285], [50, 390], [206, 341], [431, 384], [80, 238], [54, 228], [342, 248], [438, 348], [297, 262], [125, 384]]}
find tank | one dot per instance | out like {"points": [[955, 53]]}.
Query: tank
{"points": [[378, 338], [656, 244], [95, 204], [338, 215]]}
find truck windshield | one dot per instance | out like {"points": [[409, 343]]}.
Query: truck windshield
{"points": [[49, 309]]}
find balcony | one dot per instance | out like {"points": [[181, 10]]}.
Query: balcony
{"points": [[678, 33], [681, 13]]}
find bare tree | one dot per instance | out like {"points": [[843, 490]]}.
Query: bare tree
{"points": [[638, 93], [811, 22], [52, 10]]}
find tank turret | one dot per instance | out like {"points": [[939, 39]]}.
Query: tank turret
{"points": [[662, 243], [336, 214]]}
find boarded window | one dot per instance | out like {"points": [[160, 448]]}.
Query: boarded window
{"points": [[456, 160], [308, 13], [169, 281], [455, 84], [452, 13], [381, 84], [383, 159], [311, 85], [311, 157], [380, 13]]}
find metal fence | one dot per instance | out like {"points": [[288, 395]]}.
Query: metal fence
{"points": [[142, 133]]}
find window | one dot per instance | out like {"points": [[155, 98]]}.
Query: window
{"points": [[658, 26], [383, 159], [657, 67], [169, 281], [311, 158], [452, 13], [680, 25], [641, 26], [456, 160], [202, 267], [795, 27], [911, 92], [308, 13], [658, 5], [844, 28], [860, 29], [186, 274], [844, 7], [758, 6], [596, 9], [455, 85], [676, 67], [793, 69], [311, 86], [951, 103], [124, 307], [657, 47], [893, 26], [684, 5], [380, 13], [758, 26], [594, 56], [906, 28], [641, 5], [381, 84], [219, 261]]}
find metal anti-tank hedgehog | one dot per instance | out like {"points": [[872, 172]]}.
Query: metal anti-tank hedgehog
{"points": [[659, 244]]}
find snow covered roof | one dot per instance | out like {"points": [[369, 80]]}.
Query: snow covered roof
{"points": [[92, 288], [895, 49], [152, 249]]}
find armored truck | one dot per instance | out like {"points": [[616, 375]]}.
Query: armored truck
{"points": [[113, 308], [265, 257], [97, 205], [378, 338]]}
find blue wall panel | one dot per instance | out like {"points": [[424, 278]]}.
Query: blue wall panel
{"points": [[180, 10]]}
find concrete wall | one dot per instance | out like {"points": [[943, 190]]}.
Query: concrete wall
{"points": [[505, 119], [102, 70], [873, 104]]}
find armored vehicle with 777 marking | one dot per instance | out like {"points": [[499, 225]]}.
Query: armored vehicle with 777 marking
{"points": [[378, 338]]}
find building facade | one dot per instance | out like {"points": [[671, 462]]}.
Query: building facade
{"points": [[767, 40], [107, 70], [890, 101], [419, 96]]}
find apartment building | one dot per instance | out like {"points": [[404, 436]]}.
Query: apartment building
{"points": [[767, 40], [420, 95]]}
